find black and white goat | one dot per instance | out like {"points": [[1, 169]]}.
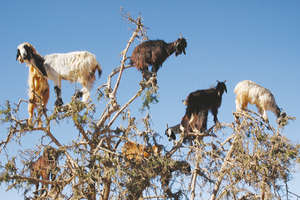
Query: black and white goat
{"points": [[79, 66], [39, 88], [249, 92], [199, 103], [154, 53], [171, 131]]}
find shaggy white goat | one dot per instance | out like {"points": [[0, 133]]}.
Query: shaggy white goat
{"points": [[77, 66], [249, 92]]}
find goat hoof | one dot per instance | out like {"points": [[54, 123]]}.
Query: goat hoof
{"points": [[217, 123], [78, 94], [40, 124], [58, 103]]}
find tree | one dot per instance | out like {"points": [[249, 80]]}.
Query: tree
{"points": [[254, 161]]}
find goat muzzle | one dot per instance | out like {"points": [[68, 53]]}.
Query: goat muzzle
{"points": [[19, 57]]}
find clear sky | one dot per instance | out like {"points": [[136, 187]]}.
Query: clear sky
{"points": [[235, 40]]}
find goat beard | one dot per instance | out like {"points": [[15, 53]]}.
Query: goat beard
{"points": [[20, 59], [179, 52]]}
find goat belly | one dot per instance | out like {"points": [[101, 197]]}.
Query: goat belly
{"points": [[57, 69]]}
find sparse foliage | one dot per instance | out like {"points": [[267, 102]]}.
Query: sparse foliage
{"points": [[245, 159]]}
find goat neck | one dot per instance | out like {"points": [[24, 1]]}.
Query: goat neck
{"points": [[39, 64], [170, 48]]}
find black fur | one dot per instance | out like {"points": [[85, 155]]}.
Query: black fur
{"points": [[170, 134], [59, 101], [155, 52], [201, 125], [18, 54], [78, 94], [99, 71], [205, 100], [38, 60]]}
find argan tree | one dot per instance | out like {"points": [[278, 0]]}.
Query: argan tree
{"points": [[245, 159]]}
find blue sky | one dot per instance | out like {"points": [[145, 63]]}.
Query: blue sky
{"points": [[233, 40]]}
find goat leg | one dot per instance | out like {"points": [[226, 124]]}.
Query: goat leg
{"points": [[215, 112], [147, 74], [58, 101]]}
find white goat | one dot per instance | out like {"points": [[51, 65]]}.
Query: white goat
{"points": [[77, 66], [249, 92]]}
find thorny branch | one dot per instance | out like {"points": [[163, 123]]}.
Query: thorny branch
{"points": [[247, 158]]}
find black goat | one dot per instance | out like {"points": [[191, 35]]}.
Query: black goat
{"points": [[200, 102], [154, 53], [201, 125], [45, 166]]}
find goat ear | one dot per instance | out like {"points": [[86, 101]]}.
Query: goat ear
{"points": [[29, 51], [18, 54]]}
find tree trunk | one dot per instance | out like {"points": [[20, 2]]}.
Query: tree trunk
{"points": [[223, 168]]}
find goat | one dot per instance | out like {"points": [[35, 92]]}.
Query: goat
{"points": [[45, 166], [249, 92], [203, 101], [38, 87], [184, 126], [77, 66], [154, 53], [137, 152], [170, 132]]}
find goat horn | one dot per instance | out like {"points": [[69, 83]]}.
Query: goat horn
{"points": [[180, 35], [167, 125]]}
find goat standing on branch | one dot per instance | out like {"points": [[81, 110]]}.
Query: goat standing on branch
{"points": [[38, 88], [200, 122], [45, 166], [249, 92], [79, 66], [201, 125], [199, 103], [154, 53]]}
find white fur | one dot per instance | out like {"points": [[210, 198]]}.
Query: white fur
{"points": [[249, 92], [75, 66]]}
